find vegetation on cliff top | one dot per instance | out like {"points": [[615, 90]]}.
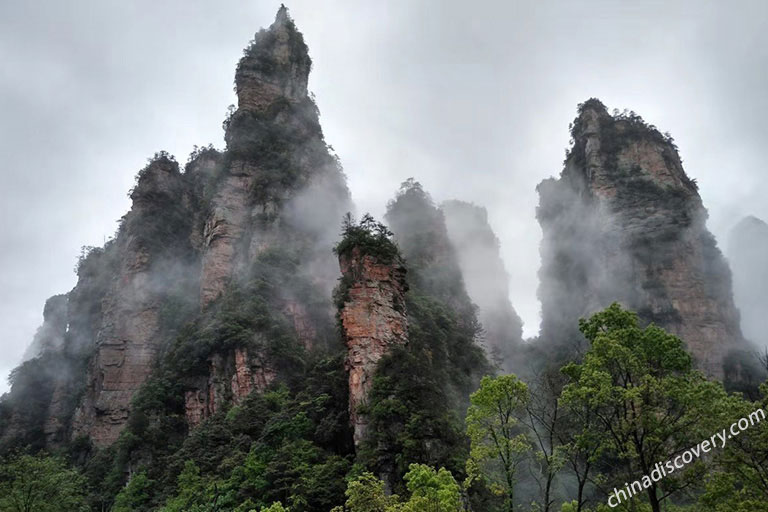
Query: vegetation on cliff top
{"points": [[368, 237]]}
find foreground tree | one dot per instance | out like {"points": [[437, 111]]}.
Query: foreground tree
{"points": [[738, 481], [431, 491], [38, 483], [134, 497], [648, 402], [275, 507], [498, 440], [545, 421], [367, 494]]}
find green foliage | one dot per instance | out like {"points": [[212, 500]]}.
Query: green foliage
{"points": [[369, 237], [421, 391], [39, 483], [431, 491], [737, 480], [498, 443], [275, 507], [193, 493], [649, 402], [367, 494], [135, 496], [418, 393], [160, 220], [286, 140], [291, 446]]}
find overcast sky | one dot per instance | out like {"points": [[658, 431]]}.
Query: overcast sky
{"points": [[473, 99]]}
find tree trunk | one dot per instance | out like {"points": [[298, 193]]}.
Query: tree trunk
{"points": [[655, 505]]}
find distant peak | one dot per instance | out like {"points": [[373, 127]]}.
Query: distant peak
{"points": [[593, 104], [750, 222], [282, 17], [275, 66]]}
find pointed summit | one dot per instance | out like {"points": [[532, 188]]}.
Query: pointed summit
{"points": [[282, 15], [276, 65]]}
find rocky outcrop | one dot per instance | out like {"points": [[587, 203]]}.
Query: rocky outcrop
{"points": [[50, 335], [265, 209], [230, 379], [748, 255], [486, 280], [625, 223], [373, 320], [129, 335], [275, 151]]}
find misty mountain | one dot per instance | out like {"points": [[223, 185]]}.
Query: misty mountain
{"points": [[747, 253], [244, 343]]}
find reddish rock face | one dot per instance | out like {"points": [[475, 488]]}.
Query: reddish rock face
{"points": [[373, 319], [625, 223], [229, 380]]}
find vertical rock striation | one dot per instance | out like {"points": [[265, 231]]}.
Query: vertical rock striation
{"points": [[373, 320], [130, 334], [625, 223], [279, 194], [243, 237], [276, 155]]}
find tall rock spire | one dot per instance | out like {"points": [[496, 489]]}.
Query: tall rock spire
{"points": [[274, 67], [373, 320], [625, 223], [276, 157], [232, 221]]}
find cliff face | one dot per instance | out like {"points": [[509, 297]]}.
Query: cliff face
{"points": [[129, 336], [625, 223], [748, 255], [373, 320], [276, 159], [486, 279], [258, 219], [277, 192]]}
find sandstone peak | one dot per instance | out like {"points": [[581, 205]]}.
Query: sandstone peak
{"points": [[751, 222], [275, 65], [624, 192], [282, 15]]}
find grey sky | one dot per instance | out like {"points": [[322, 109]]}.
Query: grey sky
{"points": [[473, 99]]}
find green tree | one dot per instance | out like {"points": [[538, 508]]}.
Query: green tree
{"points": [[39, 483], [739, 480], [431, 491], [135, 496], [193, 493], [498, 443], [648, 401], [366, 493], [544, 419], [275, 507]]}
